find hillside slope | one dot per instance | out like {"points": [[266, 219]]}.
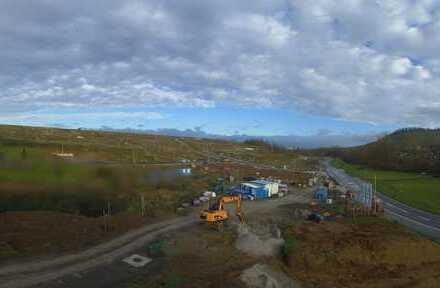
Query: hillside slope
{"points": [[410, 149], [120, 147]]}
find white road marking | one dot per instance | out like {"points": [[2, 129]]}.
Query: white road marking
{"points": [[414, 221], [424, 218], [398, 208]]}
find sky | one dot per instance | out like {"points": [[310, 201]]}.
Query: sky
{"points": [[319, 68]]}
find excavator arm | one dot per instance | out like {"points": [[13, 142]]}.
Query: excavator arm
{"points": [[237, 200]]}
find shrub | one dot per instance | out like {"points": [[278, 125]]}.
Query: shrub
{"points": [[291, 244]]}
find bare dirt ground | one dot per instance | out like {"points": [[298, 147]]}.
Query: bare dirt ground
{"points": [[370, 252], [38, 233], [204, 257], [197, 256], [365, 253], [35, 272]]}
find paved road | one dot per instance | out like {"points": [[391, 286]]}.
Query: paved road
{"points": [[415, 219]]}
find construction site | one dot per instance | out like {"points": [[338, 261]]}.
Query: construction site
{"points": [[219, 144], [215, 223]]}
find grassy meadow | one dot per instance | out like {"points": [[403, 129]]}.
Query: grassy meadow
{"points": [[417, 190], [111, 168], [32, 181]]}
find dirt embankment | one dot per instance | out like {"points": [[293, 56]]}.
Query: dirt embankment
{"points": [[374, 253]]}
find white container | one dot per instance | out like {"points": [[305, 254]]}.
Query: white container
{"points": [[207, 193], [329, 201], [204, 199]]}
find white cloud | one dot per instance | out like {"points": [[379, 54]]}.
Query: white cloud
{"points": [[371, 61], [422, 73], [46, 118], [400, 66]]}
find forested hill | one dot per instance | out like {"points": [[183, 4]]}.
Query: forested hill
{"points": [[409, 149]]}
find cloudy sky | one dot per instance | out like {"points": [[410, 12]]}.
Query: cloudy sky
{"points": [[227, 67]]}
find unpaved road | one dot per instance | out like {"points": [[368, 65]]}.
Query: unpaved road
{"points": [[101, 266], [33, 273]]}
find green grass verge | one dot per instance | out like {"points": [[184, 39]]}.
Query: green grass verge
{"points": [[416, 190], [6, 250], [291, 244]]}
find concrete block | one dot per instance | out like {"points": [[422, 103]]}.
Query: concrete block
{"points": [[137, 261]]}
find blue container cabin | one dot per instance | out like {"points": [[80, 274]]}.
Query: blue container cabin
{"points": [[321, 194], [253, 191]]}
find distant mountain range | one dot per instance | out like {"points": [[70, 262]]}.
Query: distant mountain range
{"points": [[321, 139], [410, 149]]}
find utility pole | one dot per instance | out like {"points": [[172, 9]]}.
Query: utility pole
{"points": [[142, 205], [375, 191], [375, 184], [104, 216], [109, 212]]}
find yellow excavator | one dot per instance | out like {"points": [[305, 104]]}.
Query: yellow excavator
{"points": [[217, 214]]}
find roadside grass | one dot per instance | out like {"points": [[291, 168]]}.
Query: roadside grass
{"points": [[290, 245], [166, 281], [370, 221], [6, 250], [417, 190]]}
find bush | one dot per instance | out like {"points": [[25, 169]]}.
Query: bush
{"points": [[291, 244]]}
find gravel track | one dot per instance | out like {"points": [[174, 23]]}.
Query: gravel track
{"points": [[33, 273]]}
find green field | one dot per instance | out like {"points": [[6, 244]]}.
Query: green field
{"points": [[115, 169], [416, 190]]}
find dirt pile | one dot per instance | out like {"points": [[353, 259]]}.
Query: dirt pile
{"points": [[375, 253], [262, 276], [198, 258], [264, 241]]}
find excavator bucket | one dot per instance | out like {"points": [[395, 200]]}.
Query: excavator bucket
{"points": [[240, 217]]}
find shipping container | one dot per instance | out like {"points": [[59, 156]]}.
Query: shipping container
{"points": [[253, 190], [271, 187]]}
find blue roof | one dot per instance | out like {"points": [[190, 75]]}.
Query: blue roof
{"points": [[261, 182], [252, 185]]}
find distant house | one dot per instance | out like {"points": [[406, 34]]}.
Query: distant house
{"points": [[62, 154]]}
